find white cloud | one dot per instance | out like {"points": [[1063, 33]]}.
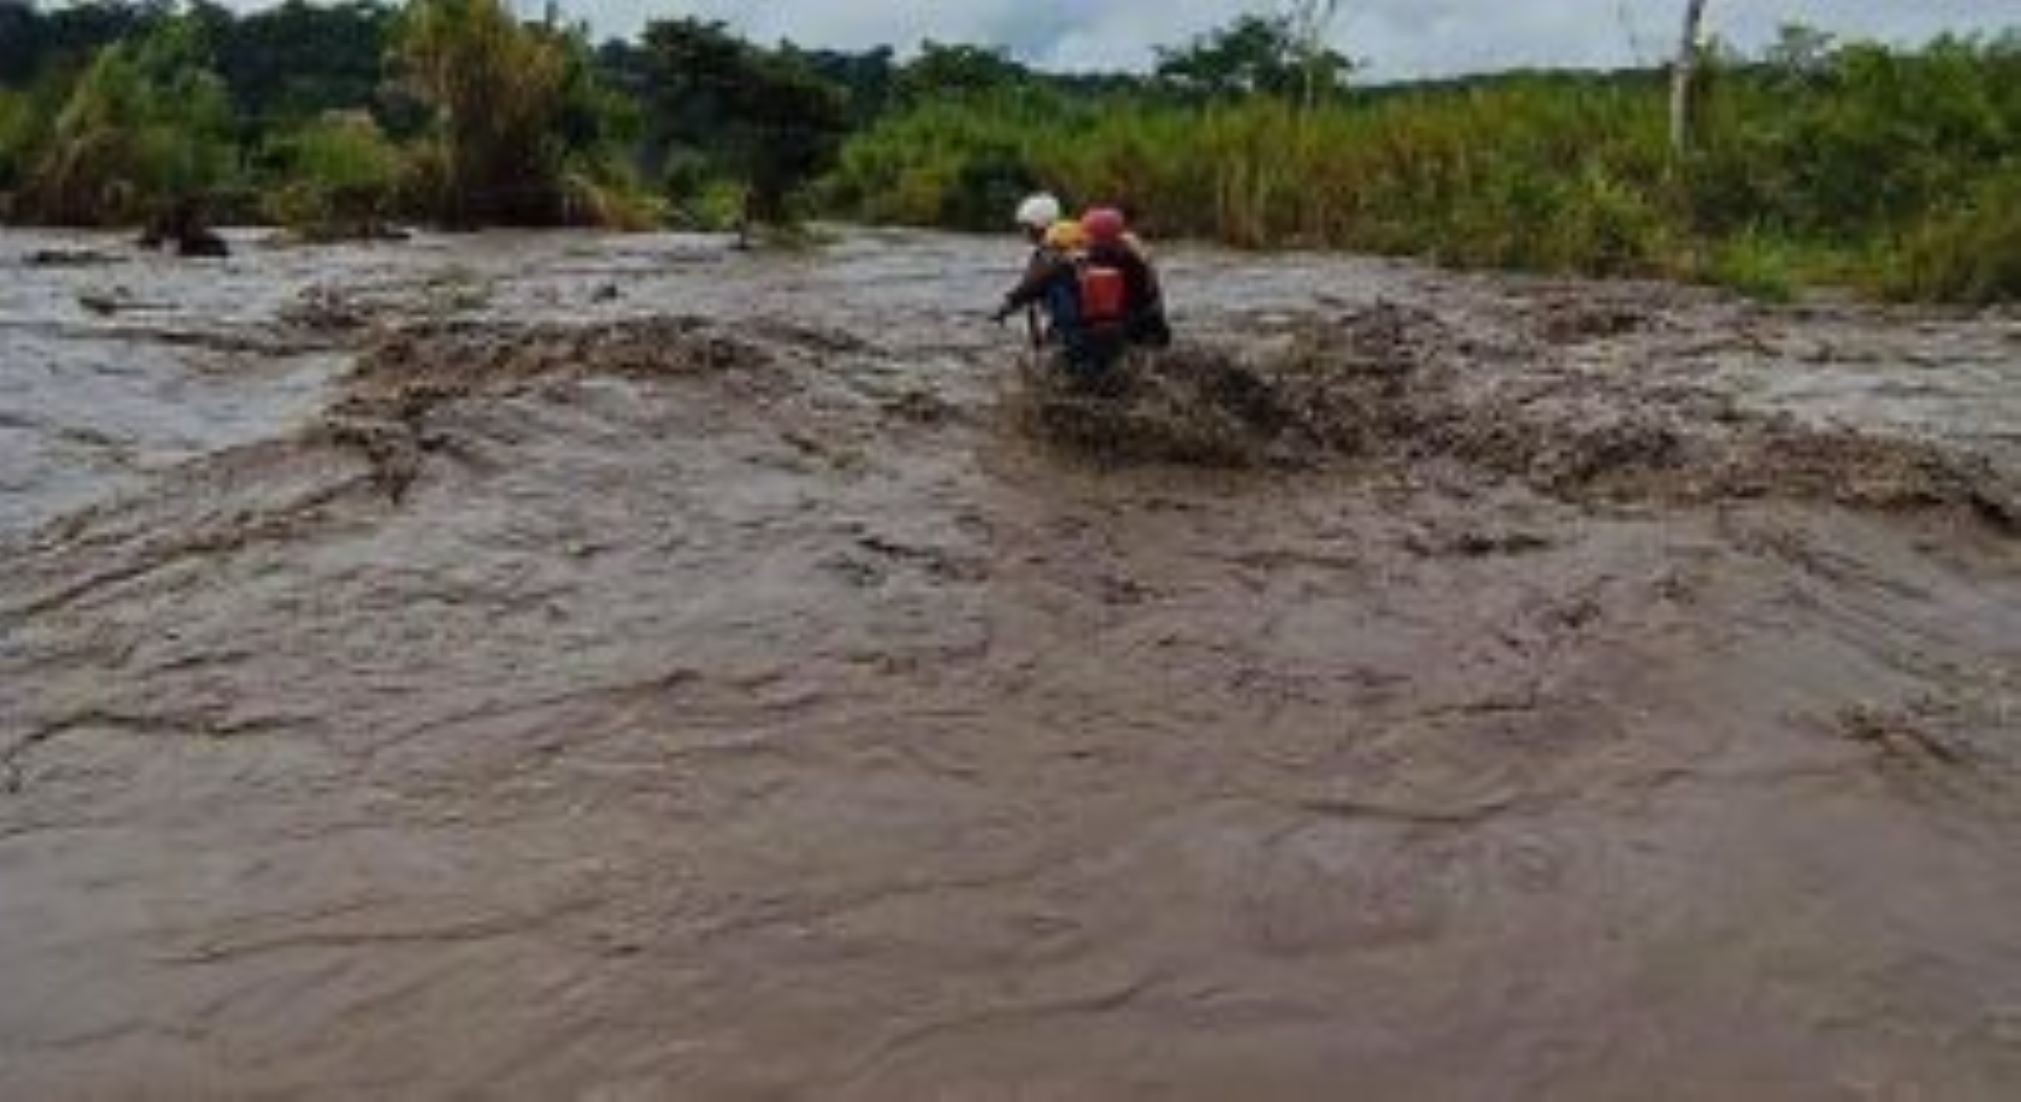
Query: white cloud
{"points": [[1399, 38]]}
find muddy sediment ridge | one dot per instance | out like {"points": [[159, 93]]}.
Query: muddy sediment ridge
{"points": [[1390, 389], [548, 666], [1387, 390], [405, 375]]}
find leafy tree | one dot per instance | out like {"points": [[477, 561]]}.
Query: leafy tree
{"points": [[789, 125], [690, 73], [1321, 70], [299, 60], [1800, 55], [33, 42], [20, 42], [716, 104], [496, 90], [1271, 55], [149, 126], [941, 71], [870, 79]]}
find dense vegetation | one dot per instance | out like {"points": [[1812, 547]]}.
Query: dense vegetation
{"points": [[1898, 170], [338, 119]]}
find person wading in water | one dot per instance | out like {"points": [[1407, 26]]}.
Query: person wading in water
{"points": [[1096, 284]]}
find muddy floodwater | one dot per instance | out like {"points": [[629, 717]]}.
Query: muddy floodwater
{"points": [[560, 666]]}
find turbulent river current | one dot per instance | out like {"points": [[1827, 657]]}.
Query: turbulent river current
{"points": [[558, 666]]}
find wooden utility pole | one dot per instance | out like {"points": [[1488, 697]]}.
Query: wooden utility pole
{"points": [[1681, 79]]}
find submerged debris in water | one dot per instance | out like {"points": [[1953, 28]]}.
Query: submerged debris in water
{"points": [[70, 258], [1385, 388], [406, 374], [325, 309]]}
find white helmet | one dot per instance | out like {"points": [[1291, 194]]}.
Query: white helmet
{"points": [[1039, 212]]}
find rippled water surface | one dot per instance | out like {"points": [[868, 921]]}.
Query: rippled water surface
{"points": [[562, 666]]}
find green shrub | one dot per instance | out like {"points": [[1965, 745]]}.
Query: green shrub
{"points": [[339, 177], [716, 207], [1755, 264], [1846, 142], [1967, 253], [147, 127], [958, 163], [496, 89], [719, 108], [600, 193], [521, 131]]}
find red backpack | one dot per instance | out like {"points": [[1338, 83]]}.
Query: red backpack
{"points": [[1104, 294]]}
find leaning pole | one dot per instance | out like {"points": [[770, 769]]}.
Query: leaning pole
{"points": [[1681, 77]]}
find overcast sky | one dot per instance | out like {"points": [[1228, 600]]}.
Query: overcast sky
{"points": [[1398, 38]]}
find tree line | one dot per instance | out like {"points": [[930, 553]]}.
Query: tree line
{"points": [[1896, 169], [338, 117]]}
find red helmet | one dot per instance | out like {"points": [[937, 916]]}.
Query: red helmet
{"points": [[1104, 225]]}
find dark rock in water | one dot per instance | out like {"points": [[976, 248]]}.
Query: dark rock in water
{"points": [[201, 243], [1577, 320], [184, 226], [68, 258], [921, 407], [99, 303]]}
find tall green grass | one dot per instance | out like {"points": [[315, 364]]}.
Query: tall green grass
{"points": [[496, 91], [1871, 157], [1968, 252], [517, 129], [956, 163], [1517, 176]]}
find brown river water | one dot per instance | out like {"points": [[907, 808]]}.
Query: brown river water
{"points": [[556, 666]]}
